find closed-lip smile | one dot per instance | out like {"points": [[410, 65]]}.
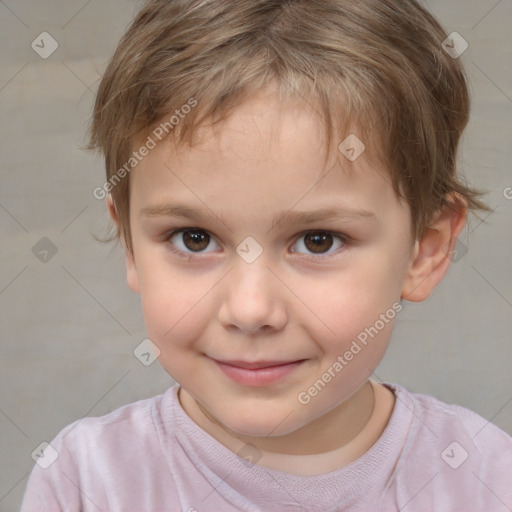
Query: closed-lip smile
{"points": [[257, 364], [258, 373]]}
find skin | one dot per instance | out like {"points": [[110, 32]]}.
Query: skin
{"points": [[293, 302]]}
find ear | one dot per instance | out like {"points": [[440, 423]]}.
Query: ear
{"points": [[432, 254], [132, 276]]}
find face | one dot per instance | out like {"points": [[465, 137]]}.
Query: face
{"points": [[236, 260]]}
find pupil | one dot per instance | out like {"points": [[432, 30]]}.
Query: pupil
{"points": [[196, 237], [321, 242]]}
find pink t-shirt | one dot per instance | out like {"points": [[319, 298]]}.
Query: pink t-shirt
{"points": [[149, 456]]}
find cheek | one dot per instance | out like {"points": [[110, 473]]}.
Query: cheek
{"points": [[360, 329], [341, 305], [174, 306], [175, 321]]}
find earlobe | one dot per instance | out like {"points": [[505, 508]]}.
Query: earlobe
{"points": [[132, 277], [432, 254]]}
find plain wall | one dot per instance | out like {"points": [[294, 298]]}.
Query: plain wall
{"points": [[68, 326]]}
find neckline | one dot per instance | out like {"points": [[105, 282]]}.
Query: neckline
{"points": [[343, 456], [228, 473]]}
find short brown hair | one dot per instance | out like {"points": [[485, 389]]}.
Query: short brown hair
{"points": [[379, 64]]}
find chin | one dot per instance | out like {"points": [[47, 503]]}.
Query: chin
{"points": [[263, 425]]}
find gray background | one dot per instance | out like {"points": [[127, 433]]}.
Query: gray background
{"points": [[69, 325]]}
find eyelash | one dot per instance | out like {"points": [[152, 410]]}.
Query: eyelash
{"points": [[344, 239]]}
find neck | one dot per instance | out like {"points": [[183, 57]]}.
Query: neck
{"points": [[335, 429]]}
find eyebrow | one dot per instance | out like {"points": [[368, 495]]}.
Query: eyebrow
{"points": [[292, 217]]}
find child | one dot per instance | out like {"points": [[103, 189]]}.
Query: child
{"points": [[308, 148]]}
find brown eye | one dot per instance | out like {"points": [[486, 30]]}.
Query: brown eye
{"points": [[189, 241], [196, 240], [318, 242]]}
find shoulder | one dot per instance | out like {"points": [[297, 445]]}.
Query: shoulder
{"points": [[134, 418], [105, 455], [452, 418], [125, 433], [454, 452]]}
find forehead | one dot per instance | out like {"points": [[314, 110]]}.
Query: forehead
{"points": [[266, 156]]}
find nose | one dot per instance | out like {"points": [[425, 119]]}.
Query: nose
{"points": [[253, 299]]}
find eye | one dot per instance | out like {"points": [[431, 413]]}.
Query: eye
{"points": [[319, 242], [189, 239], [188, 242]]}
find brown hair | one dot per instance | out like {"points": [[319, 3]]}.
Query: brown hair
{"points": [[375, 64]]}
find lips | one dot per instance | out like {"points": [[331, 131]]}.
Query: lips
{"points": [[257, 365], [258, 373]]}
